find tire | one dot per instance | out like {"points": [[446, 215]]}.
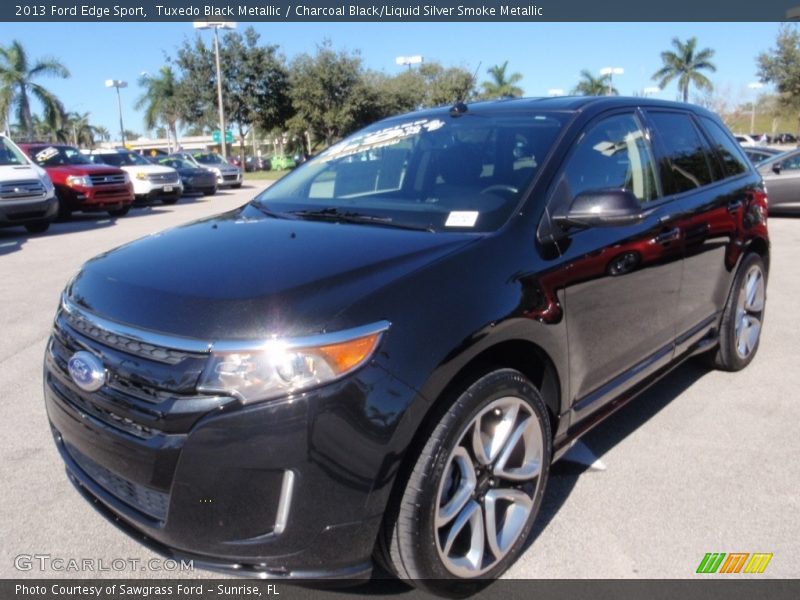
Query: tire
{"points": [[120, 212], [456, 482], [169, 201], [743, 316], [37, 226], [64, 212]]}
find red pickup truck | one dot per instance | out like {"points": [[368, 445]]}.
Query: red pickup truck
{"points": [[80, 184]]}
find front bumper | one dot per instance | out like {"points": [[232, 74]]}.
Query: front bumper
{"points": [[229, 178], [96, 198], [25, 210], [153, 191], [288, 488]]}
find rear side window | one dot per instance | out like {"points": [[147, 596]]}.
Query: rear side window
{"points": [[687, 163], [733, 161]]}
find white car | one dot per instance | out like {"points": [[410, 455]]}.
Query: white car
{"points": [[150, 182], [27, 196], [745, 140]]}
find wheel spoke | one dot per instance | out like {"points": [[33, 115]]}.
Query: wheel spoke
{"points": [[514, 506], [754, 293], [465, 472], [473, 558], [528, 435], [492, 430]]}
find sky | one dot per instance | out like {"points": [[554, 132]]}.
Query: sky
{"points": [[548, 55]]}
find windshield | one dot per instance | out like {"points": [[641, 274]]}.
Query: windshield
{"points": [[10, 155], [56, 156], [177, 163], [121, 159], [444, 173], [209, 159]]}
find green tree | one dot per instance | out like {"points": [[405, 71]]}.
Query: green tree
{"points": [[685, 64], [329, 93], [781, 67], [18, 75], [589, 85], [160, 100], [500, 85], [255, 84]]}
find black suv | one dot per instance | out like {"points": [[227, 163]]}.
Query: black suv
{"points": [[382, 354]]}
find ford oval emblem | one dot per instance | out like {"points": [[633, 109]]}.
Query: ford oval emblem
{"points": [[86, 371]]}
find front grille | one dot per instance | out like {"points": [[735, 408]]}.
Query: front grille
{"points": [[232, 177], [164, 177], [15, 190], [125, 344], [108, 179], [146, 500]]}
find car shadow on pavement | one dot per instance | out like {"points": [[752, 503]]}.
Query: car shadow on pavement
{"points": [[11, 241], [564, 474]]}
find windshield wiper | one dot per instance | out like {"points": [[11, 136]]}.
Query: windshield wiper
{"points": [[334, 214]]}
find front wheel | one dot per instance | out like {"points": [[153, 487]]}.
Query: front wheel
{"points": [[473, 494], [743, 316], [120, 212]]}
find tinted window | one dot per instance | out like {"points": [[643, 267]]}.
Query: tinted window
{"points": [[439, 172], [729, 151], [613, 154], [791, 163], [686, 151]]}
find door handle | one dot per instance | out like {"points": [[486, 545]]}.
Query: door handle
{"points": [[735, 205], [669, 236]]}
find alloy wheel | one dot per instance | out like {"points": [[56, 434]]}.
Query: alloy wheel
{"points": [[749, 311], [487, 491]]}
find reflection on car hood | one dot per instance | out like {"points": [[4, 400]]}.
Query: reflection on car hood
{"points": [[244, 275]]}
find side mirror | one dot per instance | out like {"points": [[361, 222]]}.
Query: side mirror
{"points": [[601, 208], [776, 168]]}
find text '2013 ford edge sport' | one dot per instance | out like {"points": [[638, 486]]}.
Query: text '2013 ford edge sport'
{"points": [[380, 356]]}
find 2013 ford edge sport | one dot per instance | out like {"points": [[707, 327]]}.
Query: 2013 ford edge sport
{"points": [[380, 356]]}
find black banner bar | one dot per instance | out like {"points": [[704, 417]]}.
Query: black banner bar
{"points": [[714, 587], [398, 11]]}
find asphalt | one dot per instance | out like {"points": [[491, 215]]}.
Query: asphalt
{"points": [[703, 462]]}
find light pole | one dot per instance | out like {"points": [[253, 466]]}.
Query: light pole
{"points": [[754, 86], [611, 71], [117, 83], [216, 26], [409, 60]]}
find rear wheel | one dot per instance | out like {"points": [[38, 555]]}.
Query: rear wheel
{"points": [[743, 316], [475, 489]]}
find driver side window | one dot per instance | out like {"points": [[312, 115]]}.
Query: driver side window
{"points": [[613, 154]]}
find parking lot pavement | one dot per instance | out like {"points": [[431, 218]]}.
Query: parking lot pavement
{"points": [[703, 462]]}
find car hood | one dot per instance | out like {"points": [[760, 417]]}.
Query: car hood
{"points": [[194, 172], [245, 275], [150, 169]]}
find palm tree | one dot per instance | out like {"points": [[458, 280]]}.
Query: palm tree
{"points": [[77, 130], [160, 100], [103, 133], [500, 87], [17, 85], [589, 85], [685, 64]]}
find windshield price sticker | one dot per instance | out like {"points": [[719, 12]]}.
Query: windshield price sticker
{"points": [[462, 218]]}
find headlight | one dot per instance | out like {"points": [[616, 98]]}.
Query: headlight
{"points": [[282, 367], [48, 184], [79, 181], [141, 175]]}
